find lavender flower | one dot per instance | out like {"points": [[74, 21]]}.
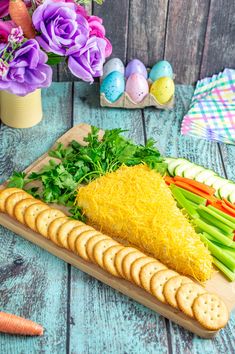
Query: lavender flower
{"points": [[16, 36], [27, 69], [60, 26], [3, 68]]}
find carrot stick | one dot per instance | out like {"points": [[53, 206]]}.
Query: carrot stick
{"points": [[210, 199], [169, 180], [228, 203], [12, 324], [20, 15], [230, 211], [198, 185]]}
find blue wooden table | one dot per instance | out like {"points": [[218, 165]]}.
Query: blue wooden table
{"points": [[80, 314]]}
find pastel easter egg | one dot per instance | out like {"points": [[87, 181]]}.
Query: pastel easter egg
{"points": [[136, 66], [137, 87], [163, 89], [161, 69], [114, 64], [113, 86]]}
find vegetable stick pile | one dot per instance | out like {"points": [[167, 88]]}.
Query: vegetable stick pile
{"points": [[135, 204], [212, 217]]}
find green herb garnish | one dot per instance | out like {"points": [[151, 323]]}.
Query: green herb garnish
{"points": [[76, 164]]}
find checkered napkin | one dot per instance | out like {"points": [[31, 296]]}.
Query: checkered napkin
{"points": [[212, 110]]}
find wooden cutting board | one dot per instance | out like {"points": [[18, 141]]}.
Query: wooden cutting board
{"points": [[218, 284]]}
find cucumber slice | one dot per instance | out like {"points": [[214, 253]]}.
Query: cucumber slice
{"points": [[226, 190], [209, 182], [219, 182], [173, 164], [231, 197], [193, 171], [169, 159], [179, 171], [204, 175]]}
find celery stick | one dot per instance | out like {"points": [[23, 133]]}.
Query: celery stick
{"points": [[194, 205], [183, 203], [191, 196], [218, 216], [213, 221], [228, 250], [218, 253], [229, 274], [214, 232], [220, 212]]}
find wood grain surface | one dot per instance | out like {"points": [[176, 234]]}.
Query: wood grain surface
{"points": [[197, 36], [80, 314]]}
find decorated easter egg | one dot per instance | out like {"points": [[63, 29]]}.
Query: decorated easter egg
{"points": [[163, 89], [113, 86], [137, 87], [161, 69], [114, 64], [136, 66]]}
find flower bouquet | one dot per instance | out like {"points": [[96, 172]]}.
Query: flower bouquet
{"points": [[35, 34]]}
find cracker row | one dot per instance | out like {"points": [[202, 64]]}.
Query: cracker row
{"points": [[121, 261]]}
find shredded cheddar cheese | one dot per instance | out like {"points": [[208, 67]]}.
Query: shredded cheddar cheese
{"points": [[135, 204]]}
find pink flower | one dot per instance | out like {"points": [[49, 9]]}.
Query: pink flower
{"points": [[5, 30], [97, 29], [4, 8]]}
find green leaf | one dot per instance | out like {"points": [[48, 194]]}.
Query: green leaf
{"points": [[54, 59], [17, 180]]}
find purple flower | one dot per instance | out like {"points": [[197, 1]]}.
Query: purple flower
{"points": [[27, 71], [60, 26], [16, 36], [3, 68], [87, 62], [4, 8]]}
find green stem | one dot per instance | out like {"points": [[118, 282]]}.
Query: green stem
{"points": [[214, 222], [191, 196], [229, 274], [183, 203], [226, 216], [204, 227], [218, 216], [219, 253]]}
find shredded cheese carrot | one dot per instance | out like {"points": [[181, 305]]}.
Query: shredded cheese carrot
{"points": [[135, 204]]}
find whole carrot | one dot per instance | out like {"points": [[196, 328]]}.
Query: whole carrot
{"points": [[12, 324], [20, 15]]}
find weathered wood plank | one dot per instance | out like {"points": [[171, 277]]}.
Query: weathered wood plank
{"points": [[115, 18], [219, 48], [164, 127], [102, 320], [146, 34], [186, 28], [33, 283]]}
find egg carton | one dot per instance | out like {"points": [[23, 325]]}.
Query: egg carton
{"points": [[126, 102]]}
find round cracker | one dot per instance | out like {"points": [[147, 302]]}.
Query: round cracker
{"points": [[21, 207], [13, 199], [136, 267], [210, 311], [119, 259], [32, 212], [92, 242], [127, 262], [45, 218], [171, 287], [186, 295], [64, 230], [54, 227], [148, 271], [109, 259], [4, 194], [100, 248], [158, 281], [81, 243], [75, 233]]}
